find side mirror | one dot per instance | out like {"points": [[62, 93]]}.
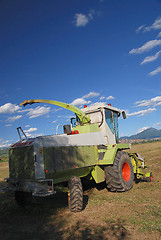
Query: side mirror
{"points": [[124, 115]]}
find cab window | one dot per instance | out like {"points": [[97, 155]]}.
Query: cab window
{"points": [[115, 115], [109, 120], [112, 121]]}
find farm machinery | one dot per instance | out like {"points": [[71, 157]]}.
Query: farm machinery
{"points": [[88, 149]]}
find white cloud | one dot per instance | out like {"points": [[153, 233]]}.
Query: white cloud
{"points": [[151, 58], [157, 124], [159, 35], [153, 102], [81, 20], [98, 103], [155, 26], [80, 102], [110, 97], [156, 71], [141, 113], [4, 144], [142, 129], [8, 125], [37, 112], [54, 121], [33, 135], [30, 130], [13, 119], [91, 95], [139, 28], [101, 98], [9, 108], [107, 98], [146, 47]]}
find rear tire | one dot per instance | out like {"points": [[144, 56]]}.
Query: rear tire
{"points": [[120, 176], [75, 194]]}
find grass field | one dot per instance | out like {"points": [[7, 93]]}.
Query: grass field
{"points": [[133, 215]]}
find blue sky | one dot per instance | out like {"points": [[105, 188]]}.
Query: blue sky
{"points": [[79, 52]]}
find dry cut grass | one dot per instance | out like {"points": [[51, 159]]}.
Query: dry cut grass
{"points": [[133, 215]]}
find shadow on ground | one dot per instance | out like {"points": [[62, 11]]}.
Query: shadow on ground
{"points": [[51, 219]]}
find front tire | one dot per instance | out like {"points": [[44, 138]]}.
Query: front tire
{"points": [[75, 194], [120, 176]]}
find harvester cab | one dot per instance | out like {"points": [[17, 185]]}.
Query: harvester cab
{"points": [[106, 118]]}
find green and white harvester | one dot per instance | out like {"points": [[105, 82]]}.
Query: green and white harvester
{"points": [[88, 149]]}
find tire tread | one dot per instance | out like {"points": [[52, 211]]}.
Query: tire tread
{"points": [[114, 181]]}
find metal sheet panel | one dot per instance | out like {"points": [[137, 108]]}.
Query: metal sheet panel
{"points": [[39, 159], [84, 139], [21, 163], [63, 158]]}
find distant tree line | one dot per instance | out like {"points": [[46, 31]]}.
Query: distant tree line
{"points": [[147, 141]]}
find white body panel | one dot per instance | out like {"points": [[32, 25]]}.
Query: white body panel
{"points": [[84, 139]]}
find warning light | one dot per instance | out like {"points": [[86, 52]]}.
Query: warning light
{"points": [[85, 106], [109, 104], [75, 132]]}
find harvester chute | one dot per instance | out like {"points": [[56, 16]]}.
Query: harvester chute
{"points": [[81, 115]]}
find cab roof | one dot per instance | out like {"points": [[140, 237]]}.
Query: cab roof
{"points": [[96, 107]]}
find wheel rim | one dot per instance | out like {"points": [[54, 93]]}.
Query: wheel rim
{"points": [[126, 173]]}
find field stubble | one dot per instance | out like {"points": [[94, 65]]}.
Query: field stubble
{"points": [[132, 215]]}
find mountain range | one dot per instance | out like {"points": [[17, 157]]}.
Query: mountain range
{"points": [[146, 134]]}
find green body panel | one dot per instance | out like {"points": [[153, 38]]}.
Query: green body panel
{"points": [[98, 174], [106, 156], [61, 162], [21, 163], [64, 176], [87, 128], [110, 153]]}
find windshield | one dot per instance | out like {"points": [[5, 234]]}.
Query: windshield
{"points": [[112, 121]]}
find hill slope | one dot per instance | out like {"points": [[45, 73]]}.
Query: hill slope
{"points": [[146, 134]]}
